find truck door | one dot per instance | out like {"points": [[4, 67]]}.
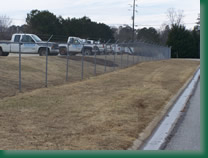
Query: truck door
{"points": [[78, 45], [29, 45], [15, 44], [72, 47]]}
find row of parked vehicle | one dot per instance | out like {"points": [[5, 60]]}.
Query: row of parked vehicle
{"points": [[32, 44]]}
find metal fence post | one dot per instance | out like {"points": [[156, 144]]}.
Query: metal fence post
{"points": [[133, 59], [121, 59], [95, 63], [46, 75], [144, 52], [67, 64], [83, 54], [168, 53], [20, 67], [121, 49], [137, 58], [160, 52], [114, 61], [152, 52], [114, 51], [105, 52], [105, 60]]}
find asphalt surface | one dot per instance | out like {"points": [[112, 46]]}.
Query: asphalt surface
{"points": [[186, 135]]}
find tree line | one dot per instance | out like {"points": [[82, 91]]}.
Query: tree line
{"points": [[45, 22], [184, 43]]}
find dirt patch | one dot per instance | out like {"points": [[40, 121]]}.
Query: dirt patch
{"points": [[102, 113]]}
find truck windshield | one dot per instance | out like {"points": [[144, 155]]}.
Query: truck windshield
{"points": [[36, 38]]}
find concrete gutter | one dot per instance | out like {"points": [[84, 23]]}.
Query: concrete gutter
{"points": [[155, 135]]}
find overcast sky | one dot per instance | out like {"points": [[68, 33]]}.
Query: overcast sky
{"points": [[111, 12]]}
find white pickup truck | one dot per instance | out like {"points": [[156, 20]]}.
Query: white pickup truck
{"points": [[28, 44], [76, 45], [100, 47]]}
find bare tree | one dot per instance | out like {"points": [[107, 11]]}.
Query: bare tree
{"points": [[175, 17], [5, 23], [197, 27], [164, 31], [198, 20]]}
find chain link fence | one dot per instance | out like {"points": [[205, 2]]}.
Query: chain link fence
{"points": [[102, 58]]}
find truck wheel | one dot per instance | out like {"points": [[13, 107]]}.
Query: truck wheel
{"points": [[5, 53], [42, 52], [63, 51], [87, 52]]}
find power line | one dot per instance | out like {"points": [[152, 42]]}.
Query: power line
{"points": [[148, 24], [111, 24], [12, 19]]}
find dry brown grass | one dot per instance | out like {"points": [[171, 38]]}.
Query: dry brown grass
{"points": [[33, 73], [104, 112]]}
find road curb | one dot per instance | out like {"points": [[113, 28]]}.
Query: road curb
{"points": [[155, 134]]}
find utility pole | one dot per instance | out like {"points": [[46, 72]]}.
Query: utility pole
{"points": [[133, 18]]}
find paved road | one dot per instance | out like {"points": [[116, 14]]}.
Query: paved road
{"points": [[186, 135]]}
